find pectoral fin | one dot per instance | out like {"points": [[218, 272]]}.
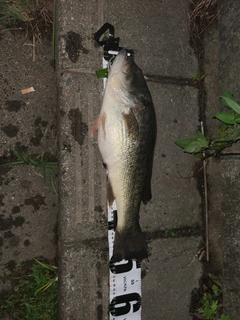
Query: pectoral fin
{"points": [[100, 120], [95, 126]]}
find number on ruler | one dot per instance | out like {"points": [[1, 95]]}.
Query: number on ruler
{"points": [[125, 299]]}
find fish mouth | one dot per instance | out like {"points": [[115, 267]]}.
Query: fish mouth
{"points": [[121, 63]]}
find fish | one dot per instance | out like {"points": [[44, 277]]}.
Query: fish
{"points": [[127, 133]]}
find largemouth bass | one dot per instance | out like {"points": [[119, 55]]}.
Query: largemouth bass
{"points": [[126, 139]]}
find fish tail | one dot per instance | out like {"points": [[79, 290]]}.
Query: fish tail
{"points": [[129, 244]]}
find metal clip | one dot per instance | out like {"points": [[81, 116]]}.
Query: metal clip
{"points": [[111, 45]]}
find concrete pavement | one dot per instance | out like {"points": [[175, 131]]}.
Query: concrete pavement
{"points": [[172, 270], [173, 221]]}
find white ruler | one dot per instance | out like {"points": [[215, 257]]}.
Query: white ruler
{"points": [[124, 280], [124, 276]]}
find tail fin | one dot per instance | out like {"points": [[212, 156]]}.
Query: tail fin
{"points": [[129, 244]]}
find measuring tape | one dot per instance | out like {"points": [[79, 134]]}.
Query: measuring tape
{"points": [[124, 280], [124, 276]]}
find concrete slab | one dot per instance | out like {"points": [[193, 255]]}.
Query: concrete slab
{"points": [[229, 25], [28, 205], [159, 33], [78, 23], [83, 178], [160, 29], [229, 78], [170, 275], [28, 218], [27, 120], [231, 235], [213, 106], [83, 286], [176, 202]]}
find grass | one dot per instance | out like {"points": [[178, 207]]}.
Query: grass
{"points": [[34, 292], [48, 168], [35, 17], [12, 11]]}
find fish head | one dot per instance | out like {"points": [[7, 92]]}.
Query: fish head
{"points": [[123, 71]]}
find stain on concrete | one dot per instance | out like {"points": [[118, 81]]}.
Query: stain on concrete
{"points": [[35, 201], [3, 172], [38, 137], [9, 222], [79, 128], [8, 234], [10, 265], [15, 209], [2, 196], [10, 130], [14, 105], [26, 243], [41, 122], [74, 46], [99, 312], [98, 209]]}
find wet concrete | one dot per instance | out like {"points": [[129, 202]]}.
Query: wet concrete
{"points": [[28, 204]]}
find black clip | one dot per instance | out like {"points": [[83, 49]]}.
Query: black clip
{"points": [[111, 45]]}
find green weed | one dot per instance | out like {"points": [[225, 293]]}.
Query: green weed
{"points": [[170, 232], [17, 10], [228, 133], [35, 17], [211, 307], [198, 77], [48, 168], [34, 293]]}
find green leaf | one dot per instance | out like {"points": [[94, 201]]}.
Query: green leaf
{"points": [[236, 134], [33, 162], [183, 143], [228, 94], [227, 118], [237, 118], [216, 290], [12, 163], [200, 135], [103, 73], [223, 317], [17, 154], [46, 266], [229, 101], [195, 147]]}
